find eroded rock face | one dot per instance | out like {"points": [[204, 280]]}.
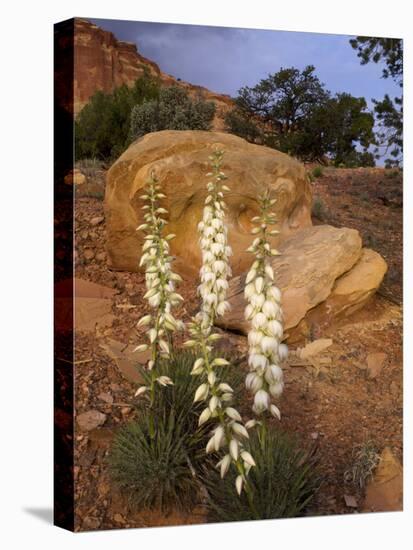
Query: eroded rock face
{"points": [[102, 62], [180, 160], [310, 261], [350, 293], [323, 273]]}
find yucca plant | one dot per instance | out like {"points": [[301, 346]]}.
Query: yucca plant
{"points": [[266, 352], [163, 471], [229, 435], [150, 463], [283, 483], [179, 398]]}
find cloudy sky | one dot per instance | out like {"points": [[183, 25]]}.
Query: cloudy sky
{"points": [[224, 59]]}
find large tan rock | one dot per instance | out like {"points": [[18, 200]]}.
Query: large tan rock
{"points": [[317, 265], [180, 160], [354, 288], [350, 292], [384, 492]]}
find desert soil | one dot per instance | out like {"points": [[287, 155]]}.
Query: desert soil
{"points": [[334, 408]]}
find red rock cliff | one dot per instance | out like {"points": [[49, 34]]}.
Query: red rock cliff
{"points": [[103, 63]]}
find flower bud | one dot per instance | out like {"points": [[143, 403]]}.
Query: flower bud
{"points": [[245, 455], [238, 484], [219, 436], [233, 413], [276, 389], [201, 393], [140, 348], [225, 464], [204, 416], [261, 401], [233, 449], [275, 411], [240, 430]]}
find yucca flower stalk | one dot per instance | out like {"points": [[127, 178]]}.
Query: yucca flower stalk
{"points": [[230, 433], [213, 241], [266, 352], [160, 284]]}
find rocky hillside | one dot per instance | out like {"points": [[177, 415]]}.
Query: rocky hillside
{"points": [[102, 62]]}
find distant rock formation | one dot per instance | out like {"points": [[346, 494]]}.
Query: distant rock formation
{"points": [[104, 63]]}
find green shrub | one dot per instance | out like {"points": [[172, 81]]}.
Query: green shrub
{"points": [[163, 471], [102, 126], [357, 159], [283, 482], [241, 125], [154, 472], [172, 110], [317, 172], [319, 209]]}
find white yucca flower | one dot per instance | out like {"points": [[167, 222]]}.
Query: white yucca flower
{"points": [[213, 239], [263, 311], [229, 434], [160, 283]]}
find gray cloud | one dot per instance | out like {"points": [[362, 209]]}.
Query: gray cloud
{"points": [[224, 59]]}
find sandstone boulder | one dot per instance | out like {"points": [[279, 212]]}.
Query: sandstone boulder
{"points": [[313, 264], [384, 492], [350, 292], [180, 160]]}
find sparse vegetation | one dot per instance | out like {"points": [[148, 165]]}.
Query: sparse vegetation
{"points": [[153, 468], [317, 172], [95, 172], [365, 458], [102, 127], [173, 109], [319, 209], [283, 483]]}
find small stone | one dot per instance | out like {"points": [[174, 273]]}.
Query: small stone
{"points": [[90, 523], [103, 489], [314, 435], [88, 254], [125, 410], [97, 220], [375, 362], [75, 177], [315, 348], [119, 518], [126, 360], [106, 397], [90, 420], [350, 501], [101, 256]]}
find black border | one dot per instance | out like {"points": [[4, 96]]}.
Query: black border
{"points": [[63, 274]]}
